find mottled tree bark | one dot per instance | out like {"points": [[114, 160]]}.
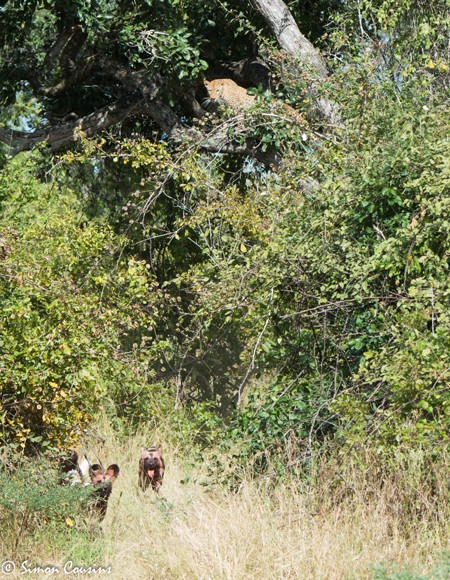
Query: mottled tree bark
{"points": [[286, 31], [289, 37]]}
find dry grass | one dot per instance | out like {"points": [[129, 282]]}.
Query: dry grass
{"points": [[190, 531]]}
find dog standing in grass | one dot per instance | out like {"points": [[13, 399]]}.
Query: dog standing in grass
{"points": [[103, 482], [76, 472], [151, 468]]}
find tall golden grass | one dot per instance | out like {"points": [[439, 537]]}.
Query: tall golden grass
{"points": [[340, 525]]}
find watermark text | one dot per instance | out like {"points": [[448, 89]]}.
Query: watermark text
{"points": [[26, 567]]}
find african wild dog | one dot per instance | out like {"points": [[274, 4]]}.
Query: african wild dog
{"points": [[151, 468], [83, 473], [102, 482], [69, 469]]}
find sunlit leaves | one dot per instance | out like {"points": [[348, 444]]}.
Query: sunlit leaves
{"points": [[69, 301]]}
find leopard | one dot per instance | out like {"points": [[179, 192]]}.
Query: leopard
{"points": [[228, 94]]}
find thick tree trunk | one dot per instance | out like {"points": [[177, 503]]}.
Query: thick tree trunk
{"points": [[288, 35], [286, 31]]}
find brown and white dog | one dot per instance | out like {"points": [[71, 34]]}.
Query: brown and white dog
{"points": [[102, 482], [74, 472], [151, 468]]}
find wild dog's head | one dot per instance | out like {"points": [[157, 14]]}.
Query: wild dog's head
{"points": [[82, 472], [151, 468], [102, 482], [151, 461]]}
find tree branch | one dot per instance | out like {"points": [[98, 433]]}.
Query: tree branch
{"points": [[270, 158], [60, 136], [288, 35], [78, 74], [283, 25], [66, 47]]}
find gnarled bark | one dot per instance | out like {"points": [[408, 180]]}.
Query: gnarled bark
{"points": [[286, 31], [288, 35]]}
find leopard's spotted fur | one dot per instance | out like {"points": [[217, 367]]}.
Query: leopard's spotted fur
{"points": [[227, 93]]}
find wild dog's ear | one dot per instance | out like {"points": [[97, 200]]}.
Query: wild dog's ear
{"points": [[95, 470], [152, 449], [112, 472]]}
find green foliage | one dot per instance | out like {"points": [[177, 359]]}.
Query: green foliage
{"points": [[161, 38], [73, 312], [32, 492], [413, 29], [170, 52], [35, 511], [402, 375], [300, 305], [338, 292], [342, 291], [389, 572]]}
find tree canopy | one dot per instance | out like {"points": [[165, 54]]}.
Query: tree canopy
{"points": [[89, 66]]}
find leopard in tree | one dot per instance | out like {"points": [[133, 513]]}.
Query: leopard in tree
{"points": [[227, 93]]}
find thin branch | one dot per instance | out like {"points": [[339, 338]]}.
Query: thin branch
{"points": [[258, 340]]}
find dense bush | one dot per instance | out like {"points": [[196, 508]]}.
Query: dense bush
{"points": [[74, 312], [298, 304]]}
